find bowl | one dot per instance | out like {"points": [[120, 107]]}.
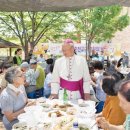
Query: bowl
{"points": [[20, 126], [23, 117]]}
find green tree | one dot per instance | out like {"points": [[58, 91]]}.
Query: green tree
{"points": [[31, 27], [98, 24]]}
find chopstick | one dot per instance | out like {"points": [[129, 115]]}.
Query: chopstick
{"points": [[93, 125]]}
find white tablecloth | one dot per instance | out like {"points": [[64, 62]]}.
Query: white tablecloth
{"points": [[34, 114]]}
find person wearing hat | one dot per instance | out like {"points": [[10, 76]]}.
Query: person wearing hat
{"points": [[30, 80], [71, 73], [40, 77]]}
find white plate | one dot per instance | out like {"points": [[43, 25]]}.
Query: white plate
{"points": [[24, 117], [33, 108], [31, 118], [45, 107], [20, 126], [53, 111], [41, 100], [88, 123], [83, 105], [91, 103]]}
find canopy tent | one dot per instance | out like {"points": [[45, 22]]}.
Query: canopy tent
{"points": [[56, 5], [7, 44]]}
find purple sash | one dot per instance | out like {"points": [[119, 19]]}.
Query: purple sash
{"points": [[73, 86]]}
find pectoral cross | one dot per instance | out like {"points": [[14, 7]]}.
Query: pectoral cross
{"points": [[68, 76]]}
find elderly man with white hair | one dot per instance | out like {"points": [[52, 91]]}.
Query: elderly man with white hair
{"points": [[30, 80], [71, 73]]}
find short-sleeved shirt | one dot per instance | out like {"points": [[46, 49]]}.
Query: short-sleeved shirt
{"points": [[48, 80], [100, 94], [31, 79], [10, 101]]}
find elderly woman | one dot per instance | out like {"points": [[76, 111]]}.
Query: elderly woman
{"points": [[124, 97], [13, 97], [112, 111]]}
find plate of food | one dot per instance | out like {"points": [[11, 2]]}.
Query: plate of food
{"points": [[71, 111], [85, 113], [61, 106], [46, 107], [64, 123], [41, 100], [44, 125], [56, 113], [82, 103], [20, 126], [87, 124], [83, 128]]}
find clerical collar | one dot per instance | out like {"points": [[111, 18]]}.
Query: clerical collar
{"points": [[71, 57]]}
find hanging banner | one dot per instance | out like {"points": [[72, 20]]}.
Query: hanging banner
{"points": [[80, 49]]}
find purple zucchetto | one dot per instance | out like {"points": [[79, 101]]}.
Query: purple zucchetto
{"points": [[68, 41]]}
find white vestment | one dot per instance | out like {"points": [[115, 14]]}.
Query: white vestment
{"points": [[71, 69]]}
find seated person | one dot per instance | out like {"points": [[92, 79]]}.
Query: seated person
{"points": [[13, 97], [47, 83], [124, 102], [100, 94], [112, 111]]}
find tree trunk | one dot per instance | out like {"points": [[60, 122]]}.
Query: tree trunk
{"points": [[32, 45], [88, 50], [26, 51]]}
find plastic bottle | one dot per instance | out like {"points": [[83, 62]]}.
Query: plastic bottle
{"points": [[75, 126], [65, 96], [61, 91]]}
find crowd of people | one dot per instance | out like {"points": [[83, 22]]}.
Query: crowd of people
{"points": [[30, 80]]}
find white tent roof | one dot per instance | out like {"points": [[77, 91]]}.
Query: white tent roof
{"points": [[56, 5]]}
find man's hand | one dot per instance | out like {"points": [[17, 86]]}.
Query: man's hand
{"points": [[86, 96], [53, 96]]}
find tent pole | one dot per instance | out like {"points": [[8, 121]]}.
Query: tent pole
{"points": [[10, 50]]}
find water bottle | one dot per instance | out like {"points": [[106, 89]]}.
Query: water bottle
{"points": [[75, 126], [61, 91], [65, 96], [128, 123]]}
